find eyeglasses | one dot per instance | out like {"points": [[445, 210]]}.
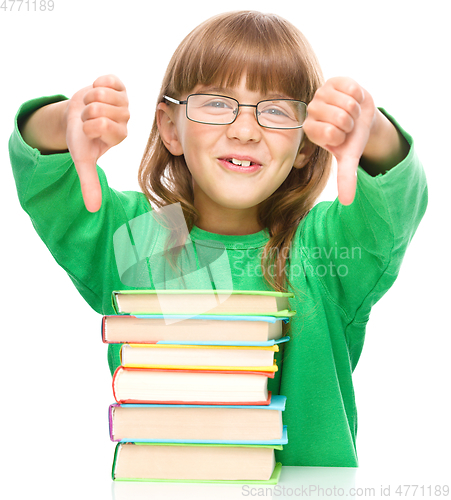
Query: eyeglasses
{"points": [[220, 110]]}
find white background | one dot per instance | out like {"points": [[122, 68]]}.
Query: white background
{"points": [[55, 383]]}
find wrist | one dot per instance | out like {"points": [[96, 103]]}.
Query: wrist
{"points": [[64, 106], [45, 128], [59, 118], [386, 147]]}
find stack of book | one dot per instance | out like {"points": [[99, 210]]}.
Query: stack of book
{"points": [[192, 402]]}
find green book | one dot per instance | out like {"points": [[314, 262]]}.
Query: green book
{"points": [[196, 463], [202, 302]]}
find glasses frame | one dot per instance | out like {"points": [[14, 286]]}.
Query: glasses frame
{"points": [[176, 101]]}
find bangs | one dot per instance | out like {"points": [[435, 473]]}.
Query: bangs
{"points": [[271, 52]]}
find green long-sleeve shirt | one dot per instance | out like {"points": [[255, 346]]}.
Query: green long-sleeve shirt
{"points": [[342, 260]]}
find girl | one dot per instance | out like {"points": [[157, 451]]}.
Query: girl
{"points": [[232, 142]]}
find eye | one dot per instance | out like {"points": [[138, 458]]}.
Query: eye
{"points": [[274, 111], [218, 104]]}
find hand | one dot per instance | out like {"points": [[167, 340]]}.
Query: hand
{"points": [[96, 120], [340, 118]]}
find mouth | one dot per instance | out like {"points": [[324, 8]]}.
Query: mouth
{"points": [[246, 165]]}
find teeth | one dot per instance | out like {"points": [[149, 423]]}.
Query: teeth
{"points": [[241, 163]]}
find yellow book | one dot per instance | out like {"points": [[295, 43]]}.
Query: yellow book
{"points": [[199, 357]]}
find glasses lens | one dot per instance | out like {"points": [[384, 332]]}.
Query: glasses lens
{"points": [[283, 113], [211, 109]]}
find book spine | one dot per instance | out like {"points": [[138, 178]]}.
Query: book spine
{"points": [[113, 468], [234, 372], [197, 368], [102, 330], [110, 421], [278, 441], [197, 403], [200, 403], [277, 403], [115, 303], [158, 345], [167, 291], [118, 369]]}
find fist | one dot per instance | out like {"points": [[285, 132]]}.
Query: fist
{"points": [[96, 120], [340, 118]]}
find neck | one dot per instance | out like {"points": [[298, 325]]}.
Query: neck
{"points": [[228, 221]]}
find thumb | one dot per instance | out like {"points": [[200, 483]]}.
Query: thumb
{"points": [[89, 183], [349, 153], [348, 158], [85, 152], [347, 179]]}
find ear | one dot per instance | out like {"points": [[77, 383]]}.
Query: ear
{"points": [[168, 130], [306, 150]]}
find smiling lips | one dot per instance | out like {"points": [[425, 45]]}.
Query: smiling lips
{"points": [[242, 164]]}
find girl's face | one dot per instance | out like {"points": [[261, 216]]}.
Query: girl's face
{"points": [[207, 149]]}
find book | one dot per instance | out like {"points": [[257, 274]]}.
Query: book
{"points": [[198, 423], [150, 385], [194, 462], [141, 329], [199, 357], [194, 302], [192, 399]]}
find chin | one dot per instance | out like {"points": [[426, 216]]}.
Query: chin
{"points": [[238, 203]]}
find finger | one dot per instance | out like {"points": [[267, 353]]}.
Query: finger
{"points": [[336, 98], [324, 134], [109, 131], [344, 102], [347, 86], [347, 179], [90, 184], [110, 81], [106, 95], [99, 110], [323, 112]]}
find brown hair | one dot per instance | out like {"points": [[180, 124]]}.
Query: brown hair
{"points": [[275, 57]]}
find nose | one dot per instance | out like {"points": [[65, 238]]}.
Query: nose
{"points": [[245, 128]]}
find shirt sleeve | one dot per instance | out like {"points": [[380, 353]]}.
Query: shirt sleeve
{"points": [[80, 241], [356, 250]]}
